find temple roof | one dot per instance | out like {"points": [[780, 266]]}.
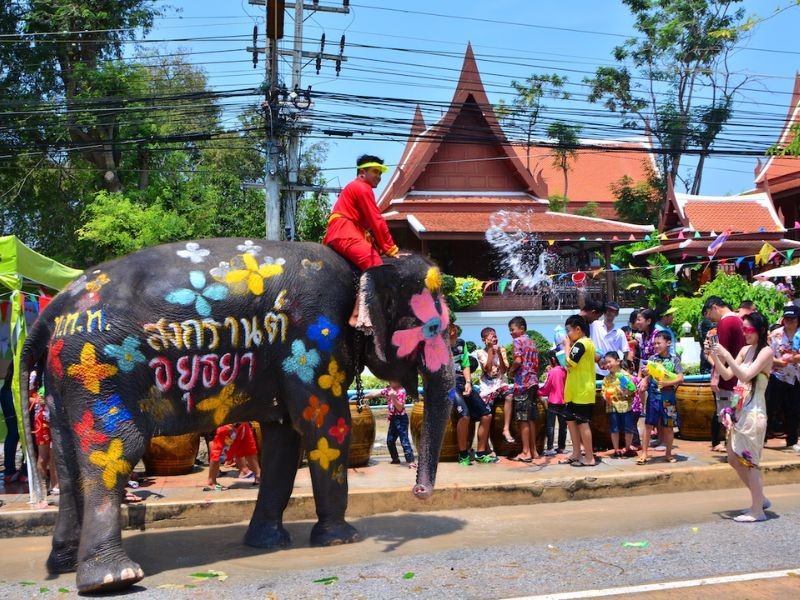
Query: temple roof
{"points": [[782, 173]]}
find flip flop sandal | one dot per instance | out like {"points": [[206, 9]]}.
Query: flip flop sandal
{"points": [[642, 460], [568, 461], [508, 438], [217, 488], [672, 459]]}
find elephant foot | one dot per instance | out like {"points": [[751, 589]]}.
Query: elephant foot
{"points": [[107, 576], [267, 535], [334, 534], [63, 559]]}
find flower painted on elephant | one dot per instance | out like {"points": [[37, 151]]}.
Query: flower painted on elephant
{"points": [[87, 433], [333, 380], [222, 404], [111, 413], [324, 453], [315, 411], [433, 279], [339, 431], [200, 295], [324, 333], [127, 354], [219, 272], [112, 463], [194, 252], [313, 265], [251, 275], [54, 358], [338, 474], [249, 248], [87, 301], [302, 362], [429, 334], [89, 372], [95, 284]]}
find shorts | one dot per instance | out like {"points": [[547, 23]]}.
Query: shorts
{"points": [[559, 410], [661, 410], [526, 407], [580, 413], [232, 440], [625, 422], [471, 406]]}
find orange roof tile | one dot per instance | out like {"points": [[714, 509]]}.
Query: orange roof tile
{"points": [[742, 214], [778, 167]]}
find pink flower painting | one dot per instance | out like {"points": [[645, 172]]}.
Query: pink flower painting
{"points": [[430, 334]]}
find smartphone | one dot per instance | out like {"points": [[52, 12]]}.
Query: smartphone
{"points": [[713, 340]]}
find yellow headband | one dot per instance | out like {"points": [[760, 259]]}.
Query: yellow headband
{"points": [[383, 168]]}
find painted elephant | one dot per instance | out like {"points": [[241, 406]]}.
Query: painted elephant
{"points": [[188, 336]]}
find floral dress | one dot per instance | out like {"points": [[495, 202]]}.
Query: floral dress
{"points": [[746, 419]]}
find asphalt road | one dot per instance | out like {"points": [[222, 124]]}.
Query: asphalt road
{"points": [[495, 552]]}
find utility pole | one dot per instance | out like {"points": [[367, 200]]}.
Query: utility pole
{"points": [[283, 109]]}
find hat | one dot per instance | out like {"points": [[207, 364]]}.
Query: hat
{"points": [[669, 311], [612, 304], [791, 311]]}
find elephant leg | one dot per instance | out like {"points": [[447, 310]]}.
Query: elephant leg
{"points": [[66, 537], [280, 453], [103, 565], [328, 450]]}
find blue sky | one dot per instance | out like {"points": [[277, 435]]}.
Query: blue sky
{"points": [[412, 50]]}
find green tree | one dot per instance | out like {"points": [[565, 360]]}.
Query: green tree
{"points": [[566, 137], [673, 79], [523, 112], [589, 210], [312, 218], [639, 201], [558, 203]]}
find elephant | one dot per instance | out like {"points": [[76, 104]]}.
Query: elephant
{"points": [[188, 336]]}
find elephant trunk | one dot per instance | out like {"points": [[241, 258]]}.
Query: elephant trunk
{"points": [[437, 413]]}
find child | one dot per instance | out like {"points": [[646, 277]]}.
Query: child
{"points": [[636, 410], [41, 432], [661, 407], [618, 389], [468, 404], [579, 391], [395, 396], [232, 439], [525, 371], [493, 360], [553, 388]]}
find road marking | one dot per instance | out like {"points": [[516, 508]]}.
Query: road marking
{"points": [[656, 587]]}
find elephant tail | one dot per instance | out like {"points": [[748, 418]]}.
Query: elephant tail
{"points": [[33, 352]]}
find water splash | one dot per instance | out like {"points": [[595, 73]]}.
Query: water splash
{"points": [[519, 251]]}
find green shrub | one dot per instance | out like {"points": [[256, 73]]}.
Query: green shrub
{"points": [[542, 346], [733, 289], [466, 292]]}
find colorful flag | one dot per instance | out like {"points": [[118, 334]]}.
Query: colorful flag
{"points": [[717, 243]]}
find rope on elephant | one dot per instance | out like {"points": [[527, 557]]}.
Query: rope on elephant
{"points": [[359, 345]]}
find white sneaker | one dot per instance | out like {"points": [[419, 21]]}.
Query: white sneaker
{"points": [[796, 448], [550, 452]]}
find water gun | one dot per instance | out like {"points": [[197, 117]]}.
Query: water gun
{"points": [[626, 383], [559, 335], [659, 372]]}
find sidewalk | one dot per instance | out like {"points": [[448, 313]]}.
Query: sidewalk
{"points": [[381, 487]]}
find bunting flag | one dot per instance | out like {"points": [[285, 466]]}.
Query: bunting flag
{"points": [[486, 285], [582, 238], [614, 267], [797, 225], [681, 236], [764, 254], [750, 264], [678, 267], [596, 272], [717, 243], [739, 261], [550, 242], [712, 234], [663, 237], [647, 237], [789, 254], [697, 235], [501, 287], [762, 230], [514, 283], [632, 238], [684, 256], [614, 238]]}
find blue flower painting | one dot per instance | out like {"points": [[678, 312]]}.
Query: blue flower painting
{"points": [[302, 362], [324, 333], [200, 295]]}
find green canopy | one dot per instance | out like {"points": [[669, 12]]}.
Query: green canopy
{"points": [[24, 270]]}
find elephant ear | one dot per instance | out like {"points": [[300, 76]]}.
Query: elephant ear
{"points": [[379, 290]]}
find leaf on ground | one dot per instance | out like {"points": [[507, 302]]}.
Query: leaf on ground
{"points": [[43, 590], [635, 544], [175, 586], [63, 590], [27, 583], [327, 580], [409, 575], [211, 574]]}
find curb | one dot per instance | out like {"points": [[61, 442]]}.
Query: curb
{"points": [[160, 515]]}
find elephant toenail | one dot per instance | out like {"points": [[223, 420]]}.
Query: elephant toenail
{"points": [[109, 578]]}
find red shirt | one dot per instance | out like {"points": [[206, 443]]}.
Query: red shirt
{"points": [[731, 336], [356, 204]]}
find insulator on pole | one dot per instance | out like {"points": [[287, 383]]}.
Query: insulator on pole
{"points": [[255, 46]]}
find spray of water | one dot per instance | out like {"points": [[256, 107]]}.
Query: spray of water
{"points": [[519, 252]]}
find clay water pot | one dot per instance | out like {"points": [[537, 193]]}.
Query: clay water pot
{"points": [[601, 433], [696, 407], [171, 455], [499, 443], [362, 435]]}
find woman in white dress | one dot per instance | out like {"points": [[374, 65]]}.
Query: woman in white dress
{"points": [[746, 420]]}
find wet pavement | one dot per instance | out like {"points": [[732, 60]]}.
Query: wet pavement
{"points": [[382, 487]]}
